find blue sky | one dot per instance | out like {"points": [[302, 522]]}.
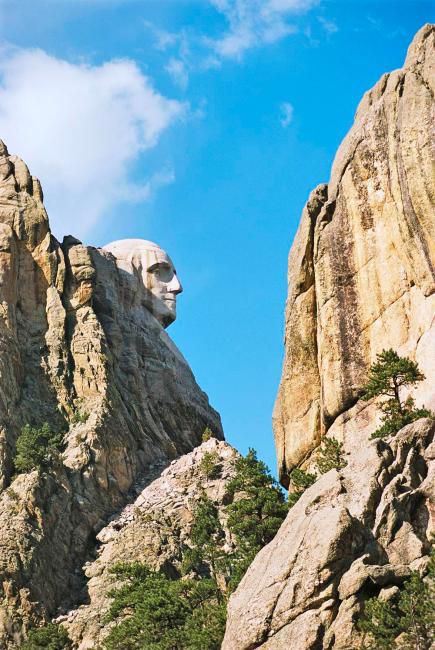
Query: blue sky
{"points": [[201, 125]]}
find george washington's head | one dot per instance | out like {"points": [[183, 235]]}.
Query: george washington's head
{"points": [[156, 272]]}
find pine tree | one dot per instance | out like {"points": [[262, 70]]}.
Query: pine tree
{"points": [[206, 556], [330, 455], [48, 637], [386, 379], [408, 622], [36, 448], [299, 482]]}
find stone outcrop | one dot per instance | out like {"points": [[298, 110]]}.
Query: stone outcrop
{"points": [[352, 535], [361, 268], [76, 354], [361, 279], [154, 529]]}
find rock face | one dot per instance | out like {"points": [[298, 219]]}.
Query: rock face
{"points": [[361, 279], [154, 529], [361, 268], [352, 534], [76, 351]]}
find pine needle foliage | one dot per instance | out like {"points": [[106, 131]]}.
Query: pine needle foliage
{"points": [[37, 448], [330, 455], [209, 465], [48, 637], [257, 510], [387, 377], [206, 556], [207, 434], [299, 482], [407, 622], [157, 613]]}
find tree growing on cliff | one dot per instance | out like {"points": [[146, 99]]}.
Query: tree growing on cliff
{"points": [[406, 622], [36, 448], [387, 377], [206, 555], [257, 510], [48, 637], [330, 455], [155, 612], [300, 480]]}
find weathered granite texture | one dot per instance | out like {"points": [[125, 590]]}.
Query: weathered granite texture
{"points": [[154, 529], [351, 535], [361, 268], [73, 341]]}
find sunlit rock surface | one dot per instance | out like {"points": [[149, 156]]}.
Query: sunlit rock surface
{"points": [[154, 529], [79, 351], [352, 534], [361, 268]]}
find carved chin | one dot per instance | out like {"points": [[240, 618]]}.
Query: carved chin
{"points": [[168, 314]]}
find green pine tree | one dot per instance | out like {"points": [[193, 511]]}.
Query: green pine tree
{"points": [[299, 482], [48, 637], [380, 624], [406, 622], [330, 455], [37, 448], [156, 613], [387, 377], [206, 555], [210, 465], [256, 513]]}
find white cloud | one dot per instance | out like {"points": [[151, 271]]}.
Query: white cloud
{"points": [[81, 128], [255, 22], [178, 70], [330, 26], [286, 114]]}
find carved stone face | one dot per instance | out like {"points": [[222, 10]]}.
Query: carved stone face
{"points": [[159, 285]]}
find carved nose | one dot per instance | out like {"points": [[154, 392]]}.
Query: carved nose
{"points": [[175, 285]]}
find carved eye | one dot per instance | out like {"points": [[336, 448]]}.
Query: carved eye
{"points": [[163, 272]]}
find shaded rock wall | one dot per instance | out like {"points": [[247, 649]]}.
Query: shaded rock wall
{"points": [[361, 268], [71, 343]]}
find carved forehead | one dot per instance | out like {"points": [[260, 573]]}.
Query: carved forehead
{"points": [[138, 251]]}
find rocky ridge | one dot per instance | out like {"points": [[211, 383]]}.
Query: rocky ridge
{"points": [[361, 268], [75, 352], [361, 279], [352, 535], [153, 529]]}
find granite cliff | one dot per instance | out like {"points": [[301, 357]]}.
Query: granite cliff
{"points": [[361, 269], [361, 279], [79, 351], [76, 351]]}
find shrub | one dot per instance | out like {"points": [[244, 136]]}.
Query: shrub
{"points": [[208, 433], [386, 379], [36, 448], [209, 465], [256, 513], [48, 637], [207, 538], [299, 482], [407, 622], [157, 613], [80, 417], [330, 455]]}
